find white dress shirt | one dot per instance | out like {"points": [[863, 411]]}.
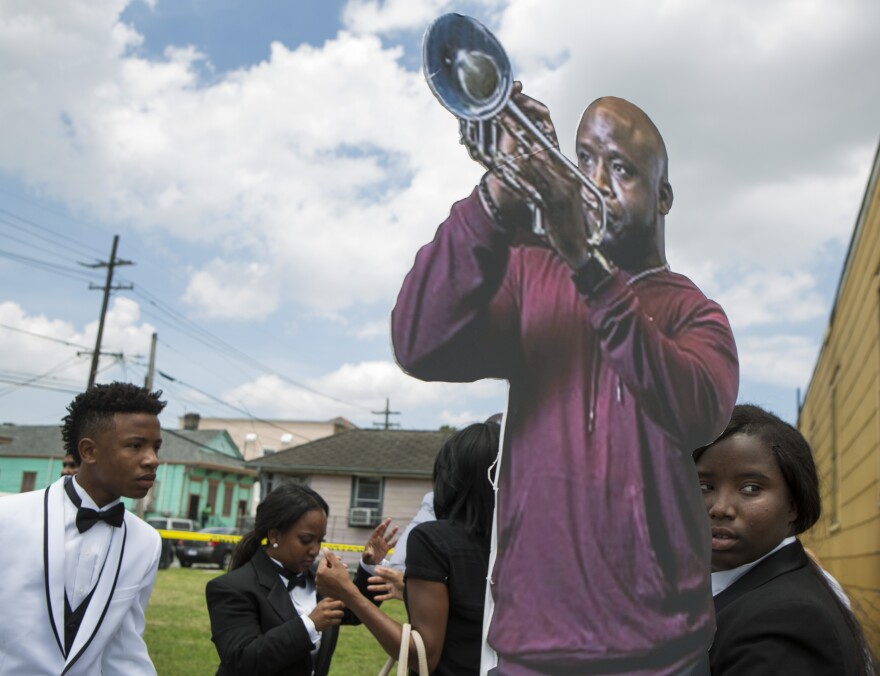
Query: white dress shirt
{"points": [[84, 553], [305, 600], [724, 578]]}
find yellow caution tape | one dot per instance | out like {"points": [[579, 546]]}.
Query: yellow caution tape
{"points": [[197, 537], [190, 536]]}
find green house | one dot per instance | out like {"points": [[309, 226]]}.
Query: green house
{"points": [[202, 475]]}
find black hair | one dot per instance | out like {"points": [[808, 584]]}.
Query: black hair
{"points": [[795, 460], [281, 509], [792, 453], [463, 491], [92, 411]]}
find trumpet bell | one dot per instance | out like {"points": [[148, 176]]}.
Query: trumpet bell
{"points": [[469, 72], [466, 67]]}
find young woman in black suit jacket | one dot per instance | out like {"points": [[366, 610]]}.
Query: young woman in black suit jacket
{"points": [[266, 615], [776, 612]]}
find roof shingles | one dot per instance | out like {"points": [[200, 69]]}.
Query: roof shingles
{"points": [[192, 447], [384, 452]]}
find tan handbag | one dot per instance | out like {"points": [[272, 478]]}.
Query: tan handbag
{"points": [[403, 657]]}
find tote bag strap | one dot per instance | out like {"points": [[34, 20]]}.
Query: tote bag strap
{"points": [[403, 655], [422, 653]]}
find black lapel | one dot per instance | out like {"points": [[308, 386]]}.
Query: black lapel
{"points": [[789, 558], [109, 600], [269, 578], [321, 663], [46, 571]]}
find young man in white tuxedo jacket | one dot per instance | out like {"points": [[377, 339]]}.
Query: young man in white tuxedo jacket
{"points": [[78, 569]]}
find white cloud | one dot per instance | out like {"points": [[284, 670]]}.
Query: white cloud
{"points": [[123, 331], [779, 224], [233, 290], [359, 389], [769, 297], [394, 16], [25, 350], [288, 165], [24, 356], [460, 419], [781, 360], [375, 16], [371, 330]]}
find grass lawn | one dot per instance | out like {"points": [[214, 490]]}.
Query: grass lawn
{"points": [[178, 632]]}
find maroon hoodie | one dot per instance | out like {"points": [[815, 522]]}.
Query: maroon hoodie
{"points": [[603, 542]]}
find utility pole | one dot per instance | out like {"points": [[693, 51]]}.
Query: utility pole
{"points": [[141, 504], [387, 412], [108, 287], [151, 369]]}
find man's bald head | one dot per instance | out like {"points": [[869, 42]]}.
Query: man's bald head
{"points": [[632, 119]]}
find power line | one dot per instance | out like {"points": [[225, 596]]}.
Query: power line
{"points": [[193, 329], [173, 390], [187, 327], [55, 234], [35, 246], [72, 273], [39, 387], [232, 406], [44, 337], [25, 383], [220, 345]]}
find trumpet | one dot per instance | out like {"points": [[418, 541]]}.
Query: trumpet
{"points": [[469, 72]]}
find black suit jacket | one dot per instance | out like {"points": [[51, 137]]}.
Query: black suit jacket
{"points": [[781, 618], [255, 626]]}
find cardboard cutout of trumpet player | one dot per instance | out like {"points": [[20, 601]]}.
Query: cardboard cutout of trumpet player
{"points": [[617, 366]]}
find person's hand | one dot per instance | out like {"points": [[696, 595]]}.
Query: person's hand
{"points": [[562, 214], [524, 161], [328, 613], [332, 578], [386, 584], [381, 540]]}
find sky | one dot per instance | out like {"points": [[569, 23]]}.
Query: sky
{"points": [[271, 168]]}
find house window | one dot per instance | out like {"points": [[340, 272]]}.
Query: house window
{"points": [[227, 498], [366, 502], [212, 495], [28, 481]]}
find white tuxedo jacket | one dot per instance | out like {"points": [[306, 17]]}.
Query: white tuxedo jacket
{"points": [[110, 638]]}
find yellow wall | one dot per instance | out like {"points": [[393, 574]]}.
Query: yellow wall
{"points": [[840, 418]]}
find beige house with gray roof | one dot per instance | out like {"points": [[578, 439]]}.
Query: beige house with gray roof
{"points": [[364, 475]]}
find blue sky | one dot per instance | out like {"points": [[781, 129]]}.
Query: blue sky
{"points": [[272, 167]]}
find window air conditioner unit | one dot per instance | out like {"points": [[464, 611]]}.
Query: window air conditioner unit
{"points": [[362, 516]]}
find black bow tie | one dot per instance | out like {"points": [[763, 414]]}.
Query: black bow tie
{"points": [[295, 579], [86, 518]]}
